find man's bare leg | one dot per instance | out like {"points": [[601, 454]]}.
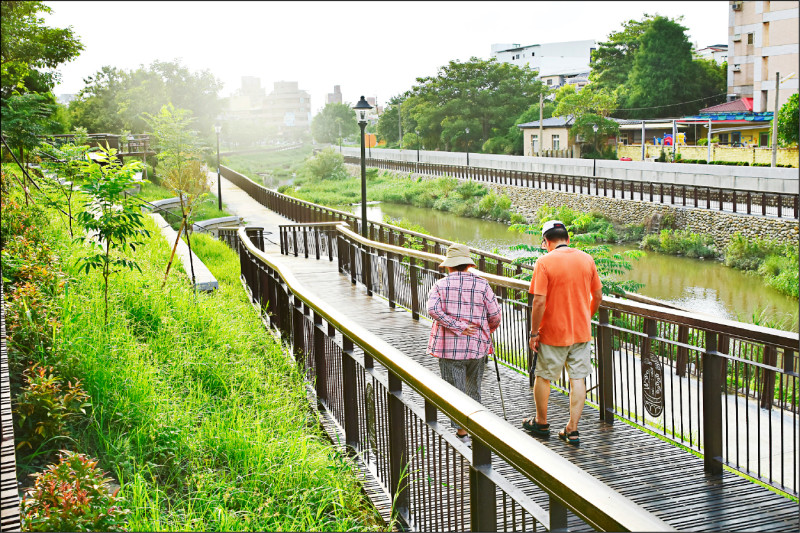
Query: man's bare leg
{"points": [[577, 398], [541, 394]]}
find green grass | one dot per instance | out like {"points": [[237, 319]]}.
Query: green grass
{"points": [[196, 410]]}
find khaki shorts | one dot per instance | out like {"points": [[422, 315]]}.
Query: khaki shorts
{"points": [[551, 360]]}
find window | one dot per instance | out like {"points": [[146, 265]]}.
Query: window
{"points": [[723, 138], [750, 38], [736, 137], [763, 139], [549, 82], [534, 144], [556, 143]]}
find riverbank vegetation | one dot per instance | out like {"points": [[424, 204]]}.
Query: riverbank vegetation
{"points": [[269, 168], [185, 402], [324, 179]]}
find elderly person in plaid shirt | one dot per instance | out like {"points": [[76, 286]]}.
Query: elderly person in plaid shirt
{"points": [[465, 313]]}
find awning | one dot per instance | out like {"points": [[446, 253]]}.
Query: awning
{"points": [[740, 128], [651, 126]]}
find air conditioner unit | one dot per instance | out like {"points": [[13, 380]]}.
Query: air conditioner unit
{"points": [[736, 6], [737, 37], [736, 68]]}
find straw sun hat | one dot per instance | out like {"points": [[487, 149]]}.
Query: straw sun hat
{"points": [[457, 254]]}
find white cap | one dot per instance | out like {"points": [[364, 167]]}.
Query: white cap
{"points": [[552, 224]]}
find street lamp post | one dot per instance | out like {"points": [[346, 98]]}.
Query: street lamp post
{"points": [[467, 143], [340, 137], [218, 129], [361, 109], [417, 133], [594, 159]]}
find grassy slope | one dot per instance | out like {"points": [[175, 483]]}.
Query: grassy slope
{"points": [[195, 409]]}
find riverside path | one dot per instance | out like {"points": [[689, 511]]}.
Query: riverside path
{"points": [[663, 479]]}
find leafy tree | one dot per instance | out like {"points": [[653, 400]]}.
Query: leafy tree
{"points": [[113, 100], [30, 50], [482, 95], [590, 107], [66, 162], [612, 61], [25, 118], [110, 215], [96, 107], [334, 121], [664, 80], [788, 123]]}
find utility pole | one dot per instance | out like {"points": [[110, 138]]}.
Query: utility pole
{"points": [[399, 125], [775, 121], [541, 129]]}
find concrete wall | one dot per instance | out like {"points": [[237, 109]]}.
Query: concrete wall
{"points": [[751, 154], [766, 179]]}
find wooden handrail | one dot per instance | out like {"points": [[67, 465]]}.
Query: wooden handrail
{"points": [[594, 502]]}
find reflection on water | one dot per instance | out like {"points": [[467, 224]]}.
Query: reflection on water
{"points": [[702, 286]]}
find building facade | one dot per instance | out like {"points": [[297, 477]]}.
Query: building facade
{"points": [[549, 58], [288, 108], [717, 53], [763, 38]]}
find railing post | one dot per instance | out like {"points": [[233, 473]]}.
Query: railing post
{"points": [[398, 456], [294, 235], [482, 499], [558, 515], [605, 367], [366, 269], [319, 361], [682, 360], [342, 246], [305, 241], [317, 231], [412, 274], [712, 406], [768, 379], [390, 290], [298, 340]]}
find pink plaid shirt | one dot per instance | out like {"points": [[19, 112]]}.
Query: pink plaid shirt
{"points": [[460, 299]]}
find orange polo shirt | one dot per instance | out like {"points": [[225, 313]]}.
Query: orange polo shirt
{"points": [[566, 277]]}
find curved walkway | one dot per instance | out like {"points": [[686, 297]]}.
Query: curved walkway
{"points": [[660, 477]]}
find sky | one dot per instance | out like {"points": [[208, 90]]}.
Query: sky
{"points": [[368, 48]]}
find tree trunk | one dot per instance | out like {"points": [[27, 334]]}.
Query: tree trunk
{"points": [[172, 255], [189, 244]]}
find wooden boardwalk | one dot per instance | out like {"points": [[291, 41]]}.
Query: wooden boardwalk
{"points": [[9, 497], [657, 475]]}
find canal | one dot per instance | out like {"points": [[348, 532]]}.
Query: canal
{"points": [[704, 286]]}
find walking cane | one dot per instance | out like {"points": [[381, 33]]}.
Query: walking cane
{"points": [[497, 371]]}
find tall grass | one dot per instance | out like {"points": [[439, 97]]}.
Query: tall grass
{"points": [[196, 410]]}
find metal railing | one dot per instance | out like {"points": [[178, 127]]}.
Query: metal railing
{"points": [[724, 389], [305, 212], [386, 406], [781, 205]]}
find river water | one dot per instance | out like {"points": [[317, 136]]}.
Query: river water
{"points": [[705, 286]]}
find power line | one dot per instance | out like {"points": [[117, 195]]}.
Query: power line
{"points": [[670, 105]]}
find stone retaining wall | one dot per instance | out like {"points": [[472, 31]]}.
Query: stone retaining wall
{"points": [[719, 225]]}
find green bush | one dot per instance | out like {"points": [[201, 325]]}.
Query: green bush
{"points": [[326, 165]]}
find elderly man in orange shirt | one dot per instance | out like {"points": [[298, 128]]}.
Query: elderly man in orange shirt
{"points": [[566, 292]]}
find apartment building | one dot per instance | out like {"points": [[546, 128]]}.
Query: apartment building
{"points": [[548, 58], [288, 108], [716, 52], [763, 38], [336, 96]]}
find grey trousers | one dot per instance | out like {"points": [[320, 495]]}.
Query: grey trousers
{"points": [[465, 375]]}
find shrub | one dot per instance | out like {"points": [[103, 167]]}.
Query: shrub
{"points": [[747, 254], [72, 495], [44, 406], [326, 165], [650, 242]]}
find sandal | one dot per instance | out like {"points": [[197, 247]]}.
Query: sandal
{"points": [[532, 426], [573, 437]]}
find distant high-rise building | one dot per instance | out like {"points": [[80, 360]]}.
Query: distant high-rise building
{"points": [[288, 108], [763, 38], [336, 96]]}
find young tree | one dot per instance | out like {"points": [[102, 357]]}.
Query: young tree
{"points": [[333, 122], [180, 152], [66, 162], [788, 122], [111, 216], [31, 50]]}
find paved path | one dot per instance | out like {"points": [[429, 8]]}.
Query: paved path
{"points": [[658, 476]]}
